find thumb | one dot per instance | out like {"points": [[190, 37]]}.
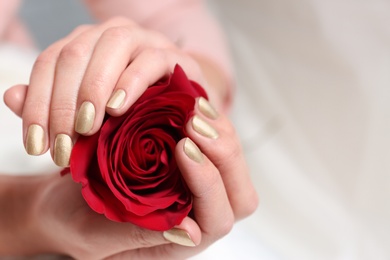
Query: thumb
{"points": [[103, 239], [182, 238], [14, 98]]}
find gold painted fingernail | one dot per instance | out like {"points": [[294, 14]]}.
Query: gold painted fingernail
{"points": [[203, 128], [178, 236], [206, 108], [62, 149], [35, 140], [117, 99], [85, 118], [192, 151]]}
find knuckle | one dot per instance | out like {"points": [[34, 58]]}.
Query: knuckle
{"points": [[157, 55], [230, 151], [162, 40], [62, 110], [97, 84], [44, 60], [225, 226], [49, 56], [137, 75], [249, 207], [74, 51], [81, 28], [212, 187], [118, 32], [34, 107], [120, 20], [140, 237], [229, 129]]}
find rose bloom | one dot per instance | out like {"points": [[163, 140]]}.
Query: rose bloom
{"points": [[128, 169]]}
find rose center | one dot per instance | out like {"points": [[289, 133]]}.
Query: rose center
{"points": [[148, 146], [148, 158]]}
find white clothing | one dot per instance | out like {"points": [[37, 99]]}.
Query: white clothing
{"points": [[313, 110]]}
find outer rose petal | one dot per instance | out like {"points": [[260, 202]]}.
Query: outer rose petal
{"points": [[128, 170]]}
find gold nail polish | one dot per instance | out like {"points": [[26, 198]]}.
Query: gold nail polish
{"points": [[85, 118], [206, 108], [192, 151], [203, 128], [117, 99], [62, 149], [178, 236], [35, 140]]}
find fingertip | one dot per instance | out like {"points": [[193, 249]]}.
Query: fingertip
{"points": [[187, 149], [187, 233], [14, 98], [116, 101], [35, 140], [85, 118]]}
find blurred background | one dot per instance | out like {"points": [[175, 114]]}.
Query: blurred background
{"points": [[50, 20]]}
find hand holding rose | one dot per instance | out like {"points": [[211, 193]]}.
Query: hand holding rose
{"points": [[96, 69], [106, 68]]}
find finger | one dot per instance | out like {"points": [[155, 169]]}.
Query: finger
{"points": [[102, 73], [106, 238], [211, 208], [102, 238], [146, 69], [36, 107], [70, 68], [217, 138], [72, 63], [14, 98], [210, 201], [105, 68]]}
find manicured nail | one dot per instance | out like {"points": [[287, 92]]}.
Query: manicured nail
{"points": [[35, 140], [62, 149], [85, 118], [203, 128], [117, 98], [178, 236], [192, 151], [206, 108]]}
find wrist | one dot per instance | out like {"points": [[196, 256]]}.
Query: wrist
{"points": [[21, 232]]}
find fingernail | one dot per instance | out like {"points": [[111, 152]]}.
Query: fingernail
{"points": [[117, 98], [85, 118], [62, 149], [35, 140], [192, 151], [178, 236], [203, 128], [206, 108]]}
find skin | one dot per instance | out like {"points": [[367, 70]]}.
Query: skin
{"points": [[50, 207], [46, 213]]}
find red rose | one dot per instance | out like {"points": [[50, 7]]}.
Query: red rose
{"points": [[128, 170]]}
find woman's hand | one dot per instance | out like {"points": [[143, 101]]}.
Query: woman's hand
{"points": [[105, 68], [215, 170], [59, 220], [96, 69]]}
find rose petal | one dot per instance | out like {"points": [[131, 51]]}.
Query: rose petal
{"points": [[128, 170]]}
